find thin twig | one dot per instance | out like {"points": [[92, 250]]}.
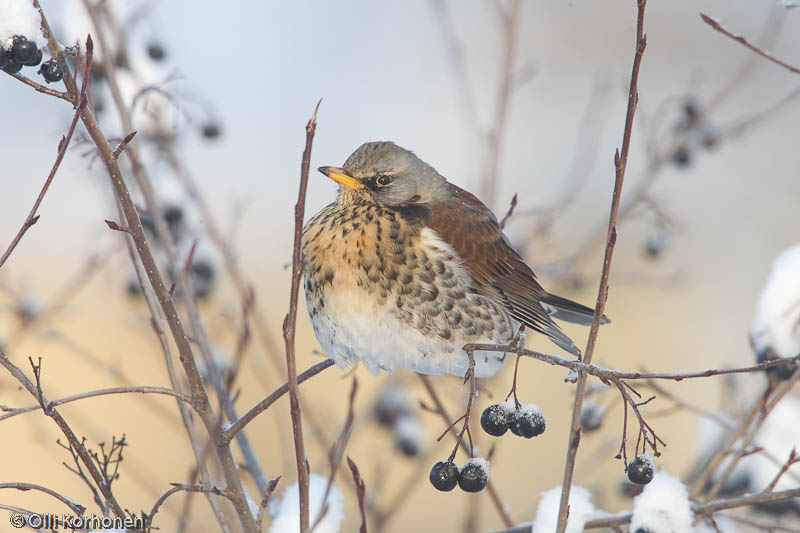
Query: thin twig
{"points": [[440, 409], [360, 491], [714, 23], [198, 391], [74, 506], [75, 443], [620, 164], [143, 389], [263, 405], [336, 453], [793, 458], [180, 487], [32, 217], [262, 507], [43, 89], [289, 325]]}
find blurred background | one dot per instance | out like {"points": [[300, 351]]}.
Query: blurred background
{"points": [[710, 197]]}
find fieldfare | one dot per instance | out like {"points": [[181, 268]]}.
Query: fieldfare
{"points": [[405, 268]]}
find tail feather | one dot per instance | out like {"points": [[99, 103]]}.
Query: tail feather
{"points": [[569, 311]]}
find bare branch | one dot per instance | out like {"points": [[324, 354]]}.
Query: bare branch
{"points": [[75, 507], [714, 23], [620, 163], [289, 325], [360, 491]]}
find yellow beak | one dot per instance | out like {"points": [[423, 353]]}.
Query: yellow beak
{"points": [[340, 175]]}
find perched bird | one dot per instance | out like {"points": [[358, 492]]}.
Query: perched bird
{"points": [[405, 268]]}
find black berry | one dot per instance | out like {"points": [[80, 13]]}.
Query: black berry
{"points": [[12, 67], [51, 71], [640, 470], [444, 476], [780, 372], [473, 476], [496, 419], [23, 51], [211, 130], [203, 270], [3, 57], [681, 157], [35, 60], [528, 423], [591, 416], [156, 51]]}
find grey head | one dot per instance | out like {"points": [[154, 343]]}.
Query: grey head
{"points": [[387, 174]]}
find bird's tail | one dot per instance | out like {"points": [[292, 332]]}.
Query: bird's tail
{"points": [[569, 311]]}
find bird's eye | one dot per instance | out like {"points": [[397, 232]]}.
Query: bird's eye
{"points": [[383, 180]]}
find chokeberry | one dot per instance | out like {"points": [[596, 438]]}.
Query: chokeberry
{"points": [[444, 476], [51, 71], [528, 422], [23, 51], [591, 416], [496, 419], [35, 60], [156, 51], [211, 130], [780, 372], [640, 470], [474, 475], [12, 67]]}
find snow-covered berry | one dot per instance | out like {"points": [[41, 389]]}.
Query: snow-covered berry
{"points": [[641, 470], [592, 414], [23, 51], [496, 419], [408, 434], [51, 71], [528, 421], [444, 476], [474, 475]]}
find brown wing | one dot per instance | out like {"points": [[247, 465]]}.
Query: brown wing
{"points": [[496, 268]]}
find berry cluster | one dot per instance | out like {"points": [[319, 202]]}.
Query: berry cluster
{"points": [[641, 469], [525, 420], [472, 477], [25, 53]]}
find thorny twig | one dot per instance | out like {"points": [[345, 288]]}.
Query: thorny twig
{"points": [[620, 164]]}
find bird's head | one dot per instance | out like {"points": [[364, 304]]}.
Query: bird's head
{"points": [[386, 174]]}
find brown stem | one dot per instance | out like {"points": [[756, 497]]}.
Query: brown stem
{"points": [[62, 150], [620, 163], [442, 411], [290, 321], [714, 23], [76, 443]]}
